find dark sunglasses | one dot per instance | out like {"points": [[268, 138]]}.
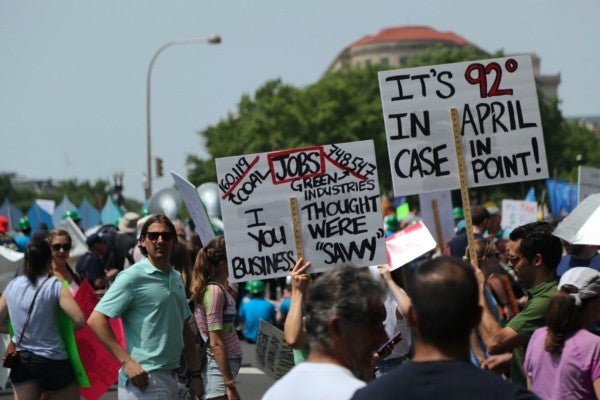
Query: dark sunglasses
{"points": [[153, 236], [58, 246]]}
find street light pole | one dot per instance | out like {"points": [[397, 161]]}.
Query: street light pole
{"points": [[212, 39]]}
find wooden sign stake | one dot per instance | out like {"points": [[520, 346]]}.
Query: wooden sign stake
{"points": [[297, 227], [462, 174]]}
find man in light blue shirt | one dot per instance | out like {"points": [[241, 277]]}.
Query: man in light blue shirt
{"points": [[149, 297]]}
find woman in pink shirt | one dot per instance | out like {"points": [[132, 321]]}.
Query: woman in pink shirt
{"points": [[563, 358]]}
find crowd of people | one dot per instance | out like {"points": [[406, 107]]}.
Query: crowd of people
{"points": [[518, 320]]}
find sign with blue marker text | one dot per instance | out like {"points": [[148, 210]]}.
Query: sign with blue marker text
{"points": [[339, 209], [499, 121]]}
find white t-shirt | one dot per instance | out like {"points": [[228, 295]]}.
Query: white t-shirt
{"points": [[315, 381]]}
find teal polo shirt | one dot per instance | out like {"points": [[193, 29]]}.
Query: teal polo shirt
{"points": [[532, 317], [153, 308]]}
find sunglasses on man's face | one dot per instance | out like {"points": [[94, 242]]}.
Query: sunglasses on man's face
{"points": [[153, 236], [58, 246]]}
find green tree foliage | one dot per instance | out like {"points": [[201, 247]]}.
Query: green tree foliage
{"points": [[345, 106]]}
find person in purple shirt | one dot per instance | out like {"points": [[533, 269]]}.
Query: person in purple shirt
{"points": [[563, 358]]}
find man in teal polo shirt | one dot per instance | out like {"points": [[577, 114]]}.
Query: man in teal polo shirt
{"points": [[150, 299], [534, 253]]}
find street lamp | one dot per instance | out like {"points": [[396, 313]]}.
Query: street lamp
{"points": [[212, 39]]}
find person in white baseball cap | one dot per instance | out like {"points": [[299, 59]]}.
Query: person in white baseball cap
{"points": [[563, 358]]}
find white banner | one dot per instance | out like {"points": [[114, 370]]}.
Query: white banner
{"points": [[444, 201], [516, 213], [338, 202], [408, 244], [192, 201], [499, 121], [588, 182]]}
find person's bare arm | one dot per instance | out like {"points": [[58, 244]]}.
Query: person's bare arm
{"points": [[220, 353], [597, 388], [399, 294], [3, 314], [71, 308], [294, 333], [100, 325], [497, 339], [190, 353], [499, 363]]}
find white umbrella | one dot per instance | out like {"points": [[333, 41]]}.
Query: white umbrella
{"points": [[581, 225]]}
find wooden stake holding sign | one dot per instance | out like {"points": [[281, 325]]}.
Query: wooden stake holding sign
{"points": [[297, 227], [438, 225], [464, 190]]}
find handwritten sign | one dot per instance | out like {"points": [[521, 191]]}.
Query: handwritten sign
{"points": [[337, 193], [499, 121], [273, 355], [192, 201], [517, 212], [408, 244], [588, 182]]}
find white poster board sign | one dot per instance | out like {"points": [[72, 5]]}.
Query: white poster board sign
{"points": [[338, 202], [192, 201], [444, 202], [273, 355], [588, 182], [499, 119], [408, 244], [517, 212]]}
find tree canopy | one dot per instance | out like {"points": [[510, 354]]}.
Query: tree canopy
{"points": [[345, 106]]}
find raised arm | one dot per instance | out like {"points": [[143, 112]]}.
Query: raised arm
{"points": [[71, 308], [399, 294], [294, 333]]}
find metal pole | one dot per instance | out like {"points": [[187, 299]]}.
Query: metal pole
{"points": [[212, 39]]}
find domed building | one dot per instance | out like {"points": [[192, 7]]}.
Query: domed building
{"points": [[394, 46]]}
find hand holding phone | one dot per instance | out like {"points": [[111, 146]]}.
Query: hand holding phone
{"points": [[388, 346]]}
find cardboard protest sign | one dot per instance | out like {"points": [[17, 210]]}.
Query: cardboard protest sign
{"points": [[445, 219], [408, 244], [588, 182], [516, 213], [499, 121], [339, 214], [195, 208], [273, 355]]}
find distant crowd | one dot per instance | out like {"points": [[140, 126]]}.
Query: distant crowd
{"points": [[515, 316]]}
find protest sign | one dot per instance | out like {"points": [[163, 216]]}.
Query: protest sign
{"points": [[445, 219], [192, 201], [337, 192], [273, 355], [408, 244], [516, 213], [499, 122], [588, 182], [100, 365]]}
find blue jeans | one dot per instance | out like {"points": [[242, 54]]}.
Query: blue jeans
{"points": [[161, 385], [214, 386]]}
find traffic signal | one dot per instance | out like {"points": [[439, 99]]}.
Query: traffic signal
{"points": [[159, 167]]}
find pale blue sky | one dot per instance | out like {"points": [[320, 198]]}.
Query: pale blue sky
{"points": [[73, 73]]}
